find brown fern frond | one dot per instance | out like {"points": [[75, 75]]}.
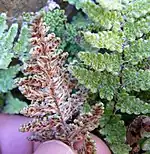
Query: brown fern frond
{"points": [[56, 97], [135, 130]]}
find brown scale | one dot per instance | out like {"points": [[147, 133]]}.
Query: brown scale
{"points": [[56, 111], [135, 130]]}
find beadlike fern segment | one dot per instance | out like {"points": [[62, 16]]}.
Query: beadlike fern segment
{"points": [[56, 97]]}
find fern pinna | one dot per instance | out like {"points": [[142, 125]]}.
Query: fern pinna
{"points": [[12, 46], [117, 70], [56, 97]]}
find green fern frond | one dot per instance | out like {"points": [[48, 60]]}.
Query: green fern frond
{"points": [[108, 113], [136, 80], [115, 133], [86, 77], [6, 44], [55, 19], [137, 9], [21, 46], [137, 51], [145, 145], [104, 82], [131, 104], [105, 39], [13, 105], [111, 5], [137, 29], [7, 78], [101, 62], [3, 25], [8, 48], [99, 15], [117, 69], [9, 37]]}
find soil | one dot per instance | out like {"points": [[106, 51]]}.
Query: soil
{"points": [[16, 7]]}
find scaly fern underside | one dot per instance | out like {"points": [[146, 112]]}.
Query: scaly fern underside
{"points": [[56, 97]]}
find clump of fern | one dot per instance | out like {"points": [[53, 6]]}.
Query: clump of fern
{"points": [[69, 33], [117, 71], [13, 47], [57, 100]]}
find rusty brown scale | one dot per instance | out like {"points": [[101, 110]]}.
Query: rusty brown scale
{"points": [[56, 110], [135, 130]]}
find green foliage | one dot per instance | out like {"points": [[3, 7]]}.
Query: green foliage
{"points": [[112, 5], [136, 80], [131, 104], [13, 105], [115, 132], [21, 46], [12, 48], [7, 78], [105, 82], [119, 69], [137, 51], [7, 39], [55, 20], [97, 13], [3, 24], [6, 44], [146, 146], [68, 32], [100, 62], [136, 29], [112, 127], [139, 8], [105, 39]]}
